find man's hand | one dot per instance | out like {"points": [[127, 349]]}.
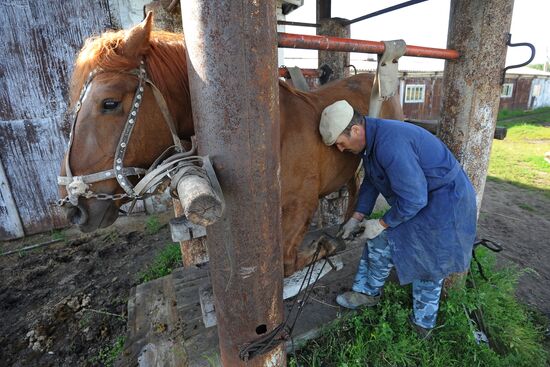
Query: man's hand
{"points": [[373, 228], [351, 226]]}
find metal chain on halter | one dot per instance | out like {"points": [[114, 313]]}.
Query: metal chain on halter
{"points": [[90, 195]]}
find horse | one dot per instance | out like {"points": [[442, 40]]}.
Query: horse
{"points": [[104, 90]]}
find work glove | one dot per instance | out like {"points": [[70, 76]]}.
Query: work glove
{"points": [[351, 226], [373, 228]]}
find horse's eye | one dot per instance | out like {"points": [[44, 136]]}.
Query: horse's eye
{"points": [[110, 104]]}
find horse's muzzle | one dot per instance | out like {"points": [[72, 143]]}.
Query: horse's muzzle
{"points": [[77, 214]]}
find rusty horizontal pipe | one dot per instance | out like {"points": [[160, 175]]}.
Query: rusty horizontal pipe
{"points": [[308, 73], [290, 40]]}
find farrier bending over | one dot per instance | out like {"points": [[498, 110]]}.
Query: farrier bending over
{"points": [[428, 232]]}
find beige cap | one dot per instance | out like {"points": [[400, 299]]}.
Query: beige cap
{"points": [[334, 119]]}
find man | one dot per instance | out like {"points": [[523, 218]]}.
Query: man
{"points": [[428, 232]]}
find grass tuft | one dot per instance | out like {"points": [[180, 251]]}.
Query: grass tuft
{"points": [[163, 264], [380, 336], [108, 355], [153, 225]]}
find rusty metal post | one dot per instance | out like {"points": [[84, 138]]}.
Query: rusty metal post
{"points": [[471, 85], [337, 61], [232, 53]]}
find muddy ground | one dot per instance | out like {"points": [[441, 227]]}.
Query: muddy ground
{"points": [[62, 304]]}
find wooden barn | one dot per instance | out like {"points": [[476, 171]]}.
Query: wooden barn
{"points": [[523, 89]]}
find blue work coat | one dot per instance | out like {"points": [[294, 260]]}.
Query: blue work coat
{"points": [[432, 219]]}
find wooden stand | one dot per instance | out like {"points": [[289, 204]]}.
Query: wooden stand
{"points": [[165, 320]]}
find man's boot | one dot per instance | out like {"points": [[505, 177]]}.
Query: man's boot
{"points": [[354, 300]]}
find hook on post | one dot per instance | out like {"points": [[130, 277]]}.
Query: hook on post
{"points": [[509, 43]]}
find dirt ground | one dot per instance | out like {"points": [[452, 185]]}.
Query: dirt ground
{"points": [[61, 304]]}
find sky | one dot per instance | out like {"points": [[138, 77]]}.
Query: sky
{"points": [[423, 24]]}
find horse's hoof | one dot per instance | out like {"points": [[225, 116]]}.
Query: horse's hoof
{"points": [[332, 245]]}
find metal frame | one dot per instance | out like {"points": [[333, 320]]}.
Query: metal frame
{"points": [[325, 43]]}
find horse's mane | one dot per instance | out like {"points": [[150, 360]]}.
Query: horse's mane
{"points": [[166, 61]]}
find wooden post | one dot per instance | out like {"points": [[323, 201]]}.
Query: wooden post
{"points": [[232, 53], [167, 15], [471, 85], [332, 27]]}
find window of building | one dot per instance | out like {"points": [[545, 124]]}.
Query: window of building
{"points": [[507, 90], [414, 93]]}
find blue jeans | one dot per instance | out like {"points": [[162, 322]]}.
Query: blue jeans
{"points": [[374, 268]]}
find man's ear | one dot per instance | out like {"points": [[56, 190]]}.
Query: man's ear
{"points": [[355, 130]]}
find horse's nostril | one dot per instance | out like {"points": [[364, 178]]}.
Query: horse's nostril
{"points": [[77, 215]]}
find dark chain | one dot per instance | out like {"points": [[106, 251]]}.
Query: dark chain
{"points": [[100, 196]]}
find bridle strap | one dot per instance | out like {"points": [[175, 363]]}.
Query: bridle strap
{"points": [[124, 139], [76, 185], [161, 102], [102, 176], [77, 107]]}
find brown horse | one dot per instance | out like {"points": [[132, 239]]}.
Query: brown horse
{"points": [[309, 169]]}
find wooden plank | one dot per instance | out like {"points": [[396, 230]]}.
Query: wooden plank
{"points": [[193, 252], [178, 295], [11, 226], [39, 43], [29, 153], [155, 335]]}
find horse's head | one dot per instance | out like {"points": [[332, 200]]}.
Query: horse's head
{"points": [[119, 124]]}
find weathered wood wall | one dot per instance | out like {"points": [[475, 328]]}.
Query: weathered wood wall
{"points": [[39, 42], [520, 94]]}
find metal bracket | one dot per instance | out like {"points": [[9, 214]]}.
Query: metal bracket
{"points": [[509, 43], [184, 230]]}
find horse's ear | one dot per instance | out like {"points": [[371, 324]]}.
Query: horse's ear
{"points": [[136, 42]]}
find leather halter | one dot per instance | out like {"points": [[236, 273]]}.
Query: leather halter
{"points": [[77, 186]]}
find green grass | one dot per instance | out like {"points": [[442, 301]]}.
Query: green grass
{"points": [[153, 225], [57, 234], [163, 264], [509, 114], [108, 354], [380, 336], [519, 158]]}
